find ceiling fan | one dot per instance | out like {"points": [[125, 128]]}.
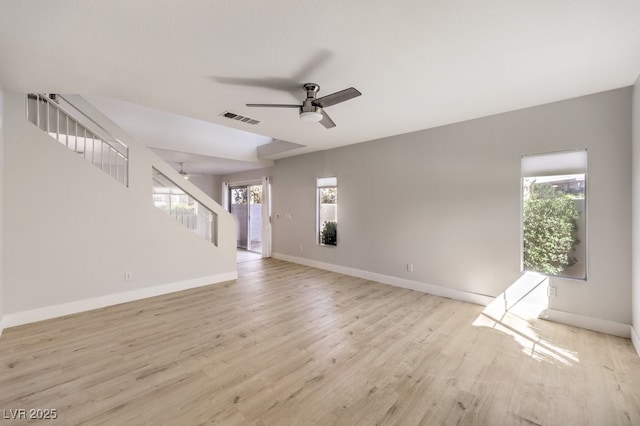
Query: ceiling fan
{"points": [[312, 108], [183, 173]]}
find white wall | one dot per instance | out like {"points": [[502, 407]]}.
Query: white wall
{"points": [[248, 176], [447, 200], [71, 231], [1, 209], [636, 216]]}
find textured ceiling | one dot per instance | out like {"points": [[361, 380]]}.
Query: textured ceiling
{"points": [[418, 63]]}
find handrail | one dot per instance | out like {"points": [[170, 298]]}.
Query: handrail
{"points": [[122, 149], [94, 147], [93, 122]]}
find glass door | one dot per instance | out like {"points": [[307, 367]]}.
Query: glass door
{"points": [[238, 204], [246, 205]]}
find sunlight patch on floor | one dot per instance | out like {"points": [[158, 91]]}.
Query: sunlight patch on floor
{"points": [[513, 313]]}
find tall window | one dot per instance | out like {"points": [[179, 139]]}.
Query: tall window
{"points": [[327, 225], [554, 225]]}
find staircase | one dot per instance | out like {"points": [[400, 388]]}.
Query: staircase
{"points": [[62, 121], [95, 218]]}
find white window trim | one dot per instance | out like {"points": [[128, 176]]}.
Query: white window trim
{"points": [[564, 163]]}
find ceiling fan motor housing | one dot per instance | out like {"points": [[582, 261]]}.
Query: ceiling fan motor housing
{"points": [[311, 89], [309, 111]]}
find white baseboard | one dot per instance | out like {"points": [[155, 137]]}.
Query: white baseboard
{"points": [[635, 339], [48, 312], [589, 323], [478, 299], [1, 325]]}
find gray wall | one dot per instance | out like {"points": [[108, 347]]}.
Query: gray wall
{"points": [[1, 208], [636, 214], [209, 184], [447, 200]]}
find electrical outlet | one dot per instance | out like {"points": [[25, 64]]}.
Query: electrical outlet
{"points": [[409, 267], [552, 291], [128, 276], [300, 249]]}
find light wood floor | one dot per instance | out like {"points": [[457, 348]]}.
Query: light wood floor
{"points": [[287, 344]]}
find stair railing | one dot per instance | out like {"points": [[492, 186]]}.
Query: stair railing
{"points": [[171, 198], [72, 128]]}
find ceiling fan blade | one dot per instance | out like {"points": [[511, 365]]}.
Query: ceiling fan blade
{"points": [[327, 121], [274, 105], [273, 83], [337, 97], [313, 64]]}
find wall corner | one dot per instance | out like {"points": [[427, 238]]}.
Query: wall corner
{"points": [[1, 210], [635, 215]]}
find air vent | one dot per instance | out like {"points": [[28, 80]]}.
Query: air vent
{"points": [[238, 117]]}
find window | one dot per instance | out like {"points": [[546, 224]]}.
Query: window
{"points": [[327, 211], [554, 226]]}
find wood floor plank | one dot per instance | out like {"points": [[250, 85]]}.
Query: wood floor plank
{"points": [[288, 344]]}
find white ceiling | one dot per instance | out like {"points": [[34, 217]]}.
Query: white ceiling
{"points": [[418, 63], [203, 146]]}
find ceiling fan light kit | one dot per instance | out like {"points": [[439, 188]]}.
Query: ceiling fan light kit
{"points": [[312, 108], [310, 116]]}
